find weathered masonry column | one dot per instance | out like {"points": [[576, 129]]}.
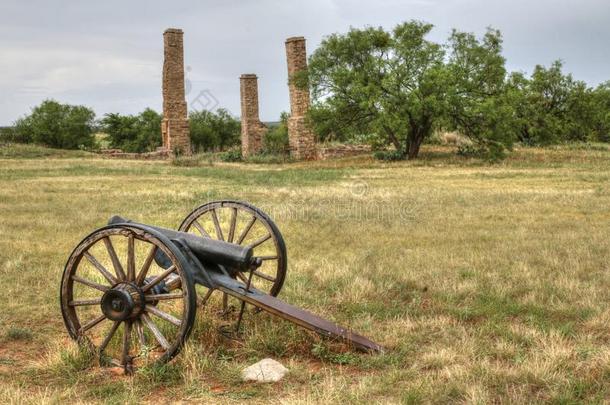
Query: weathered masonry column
{"points": [[175, 124], [301, 138], [252, 129]]}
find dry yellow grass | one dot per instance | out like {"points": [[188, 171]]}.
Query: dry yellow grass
{"points": [[485, 283]]}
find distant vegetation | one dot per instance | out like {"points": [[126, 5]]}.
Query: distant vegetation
{"points": [[392, 89], [66, 126]]}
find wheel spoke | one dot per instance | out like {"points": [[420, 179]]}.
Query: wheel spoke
{"points": [[126, 343], [155, 331], [219, 234], [225, 302], [79, 303], [267, 257], [146, 265], [140, 332], [244, 233], [118, 268], [264, 276], [232, 227], [164, 315], [108, 337], [260, 241], [163, 297], [109, 277], [90, 283], [91, 324], [131, 259], [206, 297], [202, 231], [160, 277]]}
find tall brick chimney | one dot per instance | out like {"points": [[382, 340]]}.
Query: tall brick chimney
{"points": [[301, 138], [252, 129], [175, 124]]}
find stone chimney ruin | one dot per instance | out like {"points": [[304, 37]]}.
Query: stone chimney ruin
{"points": [[175, 124], [252, 129], [301, 137]]}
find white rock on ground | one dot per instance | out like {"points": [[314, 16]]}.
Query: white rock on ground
{"points": [[266, 370]]}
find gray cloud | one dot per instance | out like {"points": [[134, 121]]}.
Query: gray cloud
{"points": [[108, 55]]}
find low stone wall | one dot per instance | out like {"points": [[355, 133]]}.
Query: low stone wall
{"points": [[159, 154], [322, 152], [338, 151]]}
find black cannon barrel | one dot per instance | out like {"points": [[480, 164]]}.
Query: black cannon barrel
{"points": [[206, 249]]}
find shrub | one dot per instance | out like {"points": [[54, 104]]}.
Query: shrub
{"points": [[388, 155], [57, 125], [231, 155], [16, 333]]}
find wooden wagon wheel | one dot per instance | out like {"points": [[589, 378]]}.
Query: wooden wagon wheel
{"points": [[118, 301], [241, 223]]}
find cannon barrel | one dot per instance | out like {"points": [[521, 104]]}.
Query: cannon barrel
{"points": [[206, 249]]}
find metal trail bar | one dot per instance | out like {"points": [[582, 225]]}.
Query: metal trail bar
{"points": [[291, 313]]}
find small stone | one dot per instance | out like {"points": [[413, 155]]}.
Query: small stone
{"points": [[266, 370]]}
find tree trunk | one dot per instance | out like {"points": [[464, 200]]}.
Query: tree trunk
{"points": [[392, 137], [414, 145], [414, 141]]}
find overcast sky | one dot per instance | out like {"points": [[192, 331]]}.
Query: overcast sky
{"points": [[108, 54]]}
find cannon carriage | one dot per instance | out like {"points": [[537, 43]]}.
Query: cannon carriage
{"points": [[130, 291]]}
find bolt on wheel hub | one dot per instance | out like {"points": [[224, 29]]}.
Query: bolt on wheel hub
{"points": [[123, 301]]}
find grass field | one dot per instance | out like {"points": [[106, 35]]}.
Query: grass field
{"points": [[486, 283]]}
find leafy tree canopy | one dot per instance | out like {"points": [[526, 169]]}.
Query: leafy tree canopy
{"points": [[399, 86], [384, 83], [478, 104]]}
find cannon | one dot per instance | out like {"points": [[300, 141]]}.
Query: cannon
{"points": [[130, 291]]}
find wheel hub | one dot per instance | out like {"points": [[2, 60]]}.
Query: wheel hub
{"points": [[123, 301]]}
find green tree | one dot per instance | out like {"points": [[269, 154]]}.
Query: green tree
{"points": [[133, 133], [57, 125], [275, 141], [370, 81], [120, 129], [551, 106], [478, 103], [601, 120], [580, 114], [213, 130], [149, 130]]}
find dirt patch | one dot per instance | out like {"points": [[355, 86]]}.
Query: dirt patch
{"points": [[16, 354]]}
